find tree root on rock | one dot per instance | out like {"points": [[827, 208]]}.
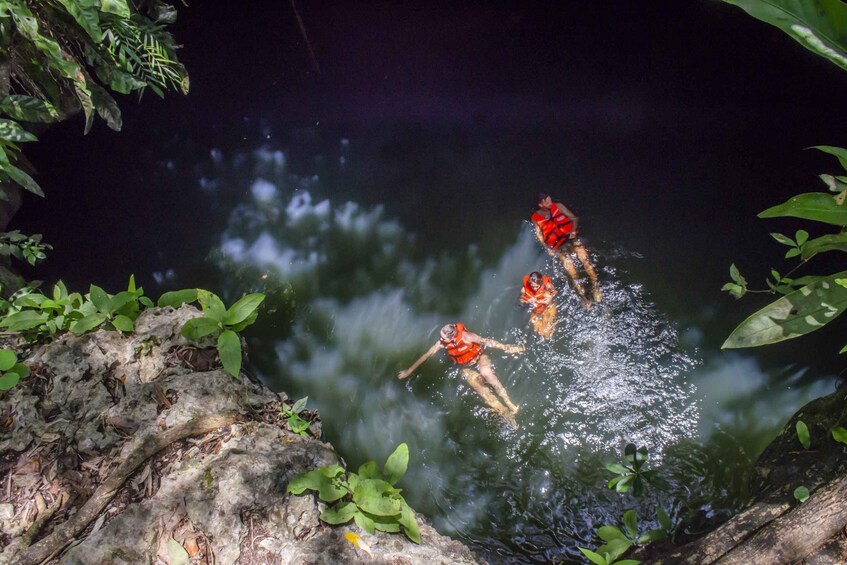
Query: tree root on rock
{"points": [[145, 448]]}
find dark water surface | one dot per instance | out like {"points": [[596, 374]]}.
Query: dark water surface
{"points": [[369, 244], [388, 194]]}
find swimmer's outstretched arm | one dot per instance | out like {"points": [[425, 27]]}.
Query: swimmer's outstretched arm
{"points": [[432, 351], [488, 342], [574, 218]]}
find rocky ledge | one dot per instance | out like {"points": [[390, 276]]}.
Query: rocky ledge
{"points": [[139, 448]]}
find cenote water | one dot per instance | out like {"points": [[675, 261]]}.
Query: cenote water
{"points": [[358, 289]]}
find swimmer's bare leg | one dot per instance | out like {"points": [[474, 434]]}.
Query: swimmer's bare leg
{"points": [[570, 269], [477, 382], [545, 322], [582, 254], [487, 372]]}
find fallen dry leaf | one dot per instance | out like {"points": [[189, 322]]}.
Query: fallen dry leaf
{"points": [[357, 541]]}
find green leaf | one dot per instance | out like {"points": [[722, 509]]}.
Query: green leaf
{"points": [[123, 323], [396, 465], [637, 486], [793, 252], [735, 290], [12, 131], [835, 184], [616, 468], [839, 434], [409, 523], [664, 519], [229, 349], [838, 152], [793, 315], [101, 299], [315, 480], [832, 242], [802, 236], [608, 533], [818, 25], [630, 521], [20, 369], [593, 557], [816, 206], [28, 108], [735, 275], [196, 328], [625, 484], [23, 320], [177, 298], [7, 359], [784, 239], [9, 380], [368, 470], [364, 522], [212, 306], [106, 107], [373, 497], [300, 405], [88, 323], [803, 434], [239, 311], [332, 471], [651, 535], [341, 514], [117, 7], [801, 494], [627, 562], [614, 548], [86, 15], [390, 524]]}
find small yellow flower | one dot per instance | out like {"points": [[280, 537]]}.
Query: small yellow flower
{"points": [[357, 541]]}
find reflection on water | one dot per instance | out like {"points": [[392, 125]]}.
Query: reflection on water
{"points": [[610, 375]]}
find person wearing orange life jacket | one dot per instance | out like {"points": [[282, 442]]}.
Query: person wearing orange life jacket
{"points": [[538, 292], [467, 348], [557, 228]]}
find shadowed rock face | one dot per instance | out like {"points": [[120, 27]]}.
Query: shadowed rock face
{"points": [[94, 402]]}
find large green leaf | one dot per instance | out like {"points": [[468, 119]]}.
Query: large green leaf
{"points": [[409, 523], [7, 359], [608, 533], [803, 434], [106, 107], [396, 465], [245, 306], [28, 108], [88, 323], [374, 497], [12, 131], [817, 206], [818, 25], [339, 515], [9, 380], [23, 320], [212, 306], [832, 242], [229, 348], [793, 315], [117, 7], [364, 522], [614, 548], [177, 298], [101, 299], [838, 152], [593, 557], [315, 480], [196, 328], [86, 15], [630, 521]]}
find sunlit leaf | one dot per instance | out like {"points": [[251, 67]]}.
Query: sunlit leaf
{"points": [[817, 206], [7, 359], [396, 465], [339, 515], [801, 494], [614, 548], [651, 536], [315, 480], [609, 533], [793, 315], [630, 521], [839, 434], [803, 434], [300, 405], [368, 470], [88, 323], [245, 306], [593, 557], [818, 25], [409, 522], [9, 380], [372, 496], [212, 306], [196, 328], [832, 242], [229, 348], [785, 240], [123, 323], [117, 7], [12, 131], [735, 275], [28, 108], [364, 522], [177, 298]]}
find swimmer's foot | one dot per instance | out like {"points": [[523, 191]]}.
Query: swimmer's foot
{"points": [[586, 303], [510, 419], [598, 297]]}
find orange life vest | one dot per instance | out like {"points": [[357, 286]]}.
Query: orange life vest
{"points": [[461, 351], [527, 294], [554, 229]]}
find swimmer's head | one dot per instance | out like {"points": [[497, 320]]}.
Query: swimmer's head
{"points": [[535, 280], [448, 332]]}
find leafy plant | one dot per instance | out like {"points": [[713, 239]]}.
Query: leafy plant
{"points": [[367, 497], [220, 321], [55, 48], [809, 302], [803, 434], [801, 493], [27, 248], [11, 372], [631, 476], [295, 423], [618, 541], [38, 316]]}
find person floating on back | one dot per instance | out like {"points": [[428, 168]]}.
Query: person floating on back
{"points": [[467, 348], [557, 228], [538, 292]]}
